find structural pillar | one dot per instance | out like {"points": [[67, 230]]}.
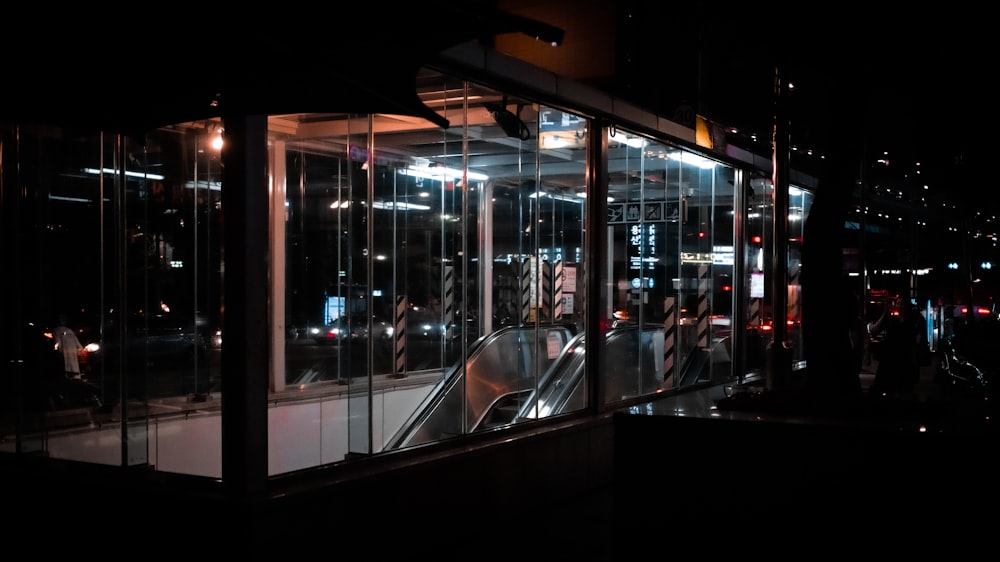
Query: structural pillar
{"points": [[779, 360]]}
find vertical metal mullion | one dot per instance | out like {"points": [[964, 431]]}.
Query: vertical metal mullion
{"points": [[369, 276], [120, 156], [596, 258], [739, 304]]}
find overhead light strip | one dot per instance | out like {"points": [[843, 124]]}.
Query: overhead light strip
{"points": [[143, 175], [449, 174]]}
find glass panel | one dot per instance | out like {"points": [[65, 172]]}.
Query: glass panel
{"points": [[53, 225], [128, 274], [799, 203], [757, 286], [706, 269], [642, 229], [322, 271], [722, 281], [358, 284], [671, 240], [759, 225], [393, 252], [537, 258], [161, 326]]}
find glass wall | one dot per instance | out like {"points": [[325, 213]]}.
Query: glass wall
{"points": [[758, 220], [433, 279], [425, 282], [671, 243], [759, 216], [799, 203], [429, 275], [117, 267]]}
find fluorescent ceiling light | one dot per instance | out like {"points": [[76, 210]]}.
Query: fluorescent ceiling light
{"points": [[442, 173], [401, 206], [633, 141], [95, 172], [559, 197], [210, 185], [692, 159], [583, 195], [430, 100], [73, 199]]}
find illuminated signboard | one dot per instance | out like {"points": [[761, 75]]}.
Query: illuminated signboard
{"points": [[756, 285], [642, 246], [334, 309], [723, 255]]}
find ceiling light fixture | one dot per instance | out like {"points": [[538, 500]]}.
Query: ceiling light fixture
{"points": [[448, 174]]}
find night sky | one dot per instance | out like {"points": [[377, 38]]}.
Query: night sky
{"points": [[915, 84]]}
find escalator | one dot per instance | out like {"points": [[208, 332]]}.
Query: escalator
{"points": [[500, 364], [495, 386], [634, 368]]}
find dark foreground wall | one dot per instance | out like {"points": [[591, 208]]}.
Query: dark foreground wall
{"points": [[812, 488], [501, 498], [606, 487]]}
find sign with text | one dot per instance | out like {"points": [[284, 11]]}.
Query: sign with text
{"points": [[643, 242]]}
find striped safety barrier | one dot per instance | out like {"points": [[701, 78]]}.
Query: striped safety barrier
{"points": [[557, 291], [448, 297], [526, 279], [703, 325], [399, 368], [669, 337]]}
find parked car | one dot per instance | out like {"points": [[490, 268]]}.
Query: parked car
{"points": [[426, 324], [164, 355], [342, 329]]}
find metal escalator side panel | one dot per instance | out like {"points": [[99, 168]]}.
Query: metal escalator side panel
{"points": [[635, 362], [419, 426], [539, 350], [558, 384], [635, 368], [495, 367]]}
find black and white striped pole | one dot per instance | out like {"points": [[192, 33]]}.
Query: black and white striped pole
{"points": [[399, 337]]}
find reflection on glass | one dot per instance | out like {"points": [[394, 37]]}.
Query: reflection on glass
{"points": [[670, 215], [399, 257], [130, 265]]}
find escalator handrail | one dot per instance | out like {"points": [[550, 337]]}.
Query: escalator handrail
{"points": [[452, 376], [555, 373]]}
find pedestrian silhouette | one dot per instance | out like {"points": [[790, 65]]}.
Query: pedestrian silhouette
{"points": [[68, 344]]}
